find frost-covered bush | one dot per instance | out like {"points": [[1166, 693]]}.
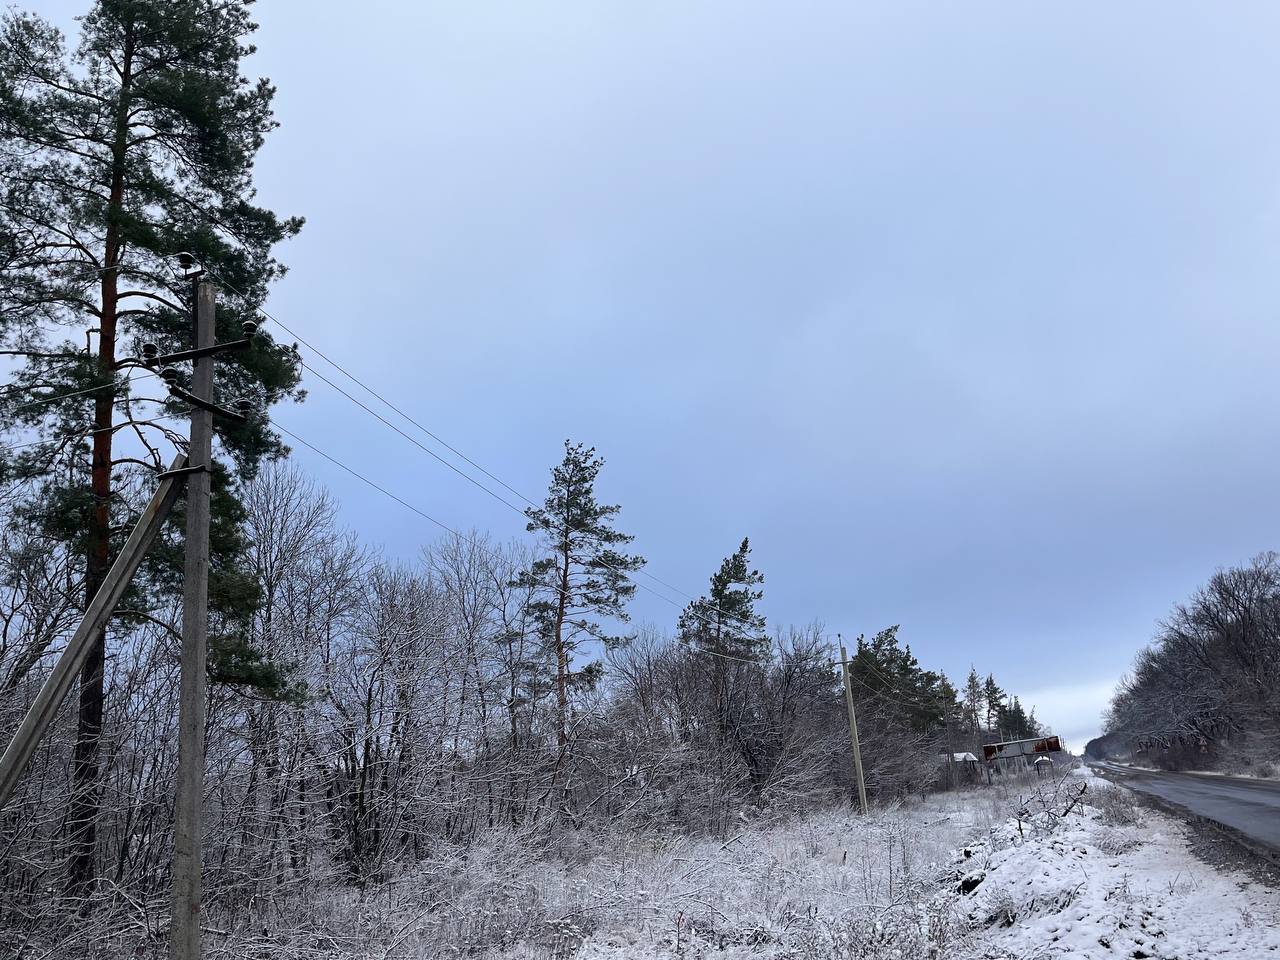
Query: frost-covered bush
{"points": [[1114, 842], [894, 933], [1115, 807]]}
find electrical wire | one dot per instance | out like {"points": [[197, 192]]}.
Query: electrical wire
{"points": [[472, 480], [76, 393], [89, 433], [393, 407], [441, 524], [903, 699], [929, 700], [425, 449], [879, 692], [606, 565], [477, 483]]}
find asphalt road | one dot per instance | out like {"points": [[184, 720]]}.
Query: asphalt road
{"points": [[1250, 806]]}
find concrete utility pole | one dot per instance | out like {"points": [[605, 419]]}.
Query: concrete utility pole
{"points": [[853, 727], [184, 930]]}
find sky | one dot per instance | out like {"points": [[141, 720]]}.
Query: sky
{"points": [[965, 313]]}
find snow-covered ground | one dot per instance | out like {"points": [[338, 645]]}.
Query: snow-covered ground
{"points": [[950, 877], [1024, 870], [1274, 773], [1098, 886]]}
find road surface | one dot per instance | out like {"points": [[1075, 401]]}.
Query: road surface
{"points": [[1250, 806]]}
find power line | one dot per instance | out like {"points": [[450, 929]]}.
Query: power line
{"points": [[881, 693], [425, 449], [443, 443], [929, 699], [904, 698], [477, 483], [352, 377], [444, 526], [89, 433], [76, 393], [602, 563], [360, 476], [934, 698]]}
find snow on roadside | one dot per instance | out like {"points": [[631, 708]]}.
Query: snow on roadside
{"points": [[1115, 881], [1107, 880], [1241, 775], [1024, 870]]}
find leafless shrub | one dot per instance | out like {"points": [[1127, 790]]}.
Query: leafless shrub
{"points": [[1115, 807], [1114, 842]]}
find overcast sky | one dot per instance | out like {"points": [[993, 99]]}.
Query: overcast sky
{"points": [[964, 312]]}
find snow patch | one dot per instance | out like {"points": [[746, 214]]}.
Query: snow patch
{"points": [[1091, 889]]}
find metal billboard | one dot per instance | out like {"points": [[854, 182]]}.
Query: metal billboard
{"points": [[1021, 748]]}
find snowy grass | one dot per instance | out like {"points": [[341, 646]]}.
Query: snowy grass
{"points": [[1024, 870], [830, 884]]}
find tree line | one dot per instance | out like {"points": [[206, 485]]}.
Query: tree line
{"points": [[1206, 690], [399, 706]]}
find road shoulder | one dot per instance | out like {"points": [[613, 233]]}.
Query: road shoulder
{"points": [[1217, 843], [1117, 879]]}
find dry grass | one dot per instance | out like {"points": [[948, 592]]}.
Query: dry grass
{"points": [[829, 884], [1115, 807]]}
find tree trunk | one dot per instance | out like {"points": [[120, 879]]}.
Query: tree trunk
{"points": [[562, 654], [83, 817]]}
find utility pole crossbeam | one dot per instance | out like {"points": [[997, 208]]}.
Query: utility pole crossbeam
{"points": [[184, 929], [65, 671], [853, 727]]}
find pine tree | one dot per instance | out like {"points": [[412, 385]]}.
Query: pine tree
{"points": [[115, 156], [1014, 720], [881, 666], [725, 623], [973, 702], [583, 576], [993, 696], [1033, 725], [949, 703]]}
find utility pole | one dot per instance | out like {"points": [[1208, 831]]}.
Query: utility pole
{"points": [[184, 925], [192, 470], [184, 930], [853, 726]]}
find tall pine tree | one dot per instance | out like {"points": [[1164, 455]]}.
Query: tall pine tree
{"points": [[115, 155], [582, 575], [993, 696], [724, 622], [973, 702]]}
